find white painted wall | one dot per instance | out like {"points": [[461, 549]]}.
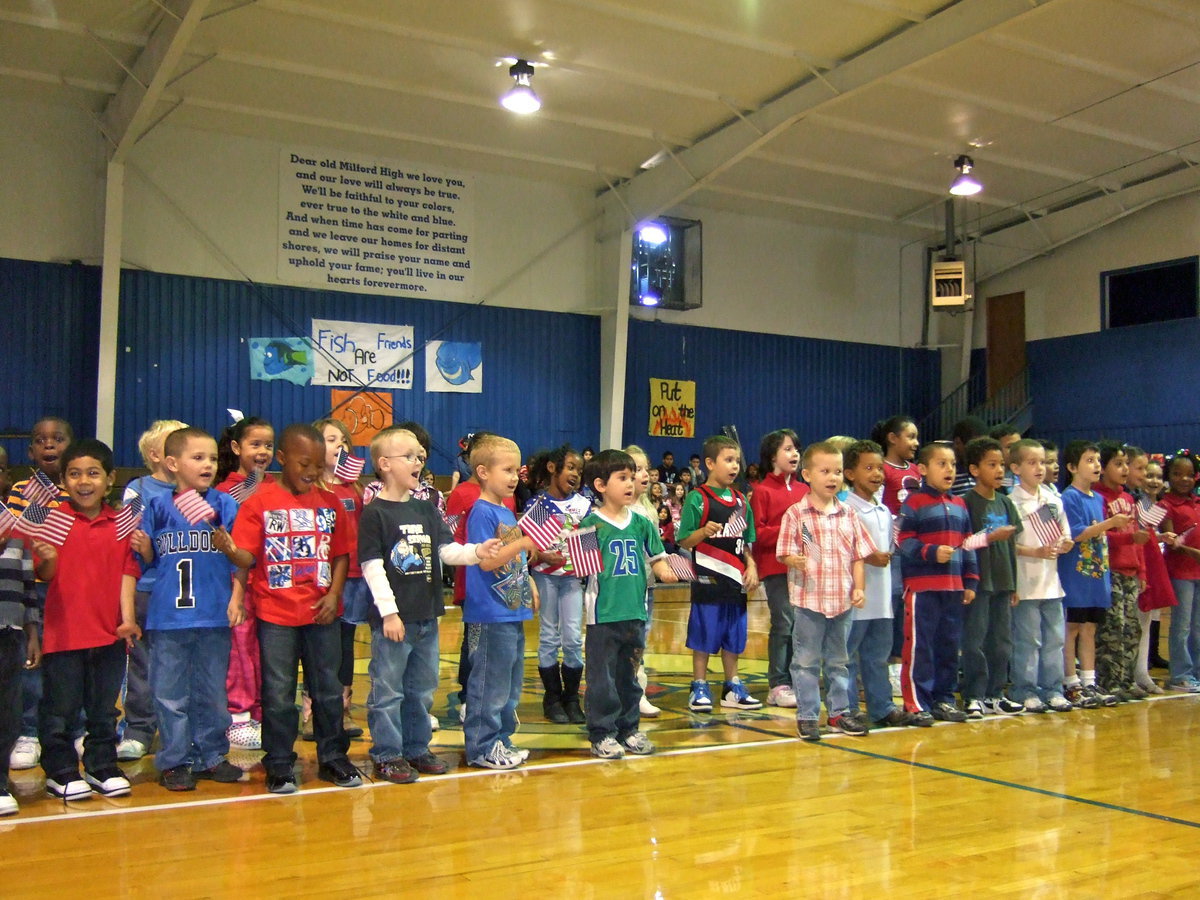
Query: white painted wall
{"points": [[1062, 291]]}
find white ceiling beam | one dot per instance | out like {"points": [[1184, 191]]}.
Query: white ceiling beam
{"points": [[82, 84], [65, 26], [489, 50], [862, 174], [394, 135], [1031, 114], [1084, 64], [653, 191], [696, 29], [1188, 14], [896, 9], [408, 88], [132, 110], [799, 203]]}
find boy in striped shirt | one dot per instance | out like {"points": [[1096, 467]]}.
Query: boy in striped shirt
{"points": [[940, 577]]}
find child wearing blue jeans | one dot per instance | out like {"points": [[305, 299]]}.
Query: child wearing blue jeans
{"points": [[402, 542], [500, 598]]}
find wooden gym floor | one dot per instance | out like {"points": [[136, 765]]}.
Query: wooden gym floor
{"points": [[1097, 804]]}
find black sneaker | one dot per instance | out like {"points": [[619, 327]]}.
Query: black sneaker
{"points": [[1102, 698], [177, 778], [948, 712], [848, 723], [340, 771], [922, 719], [429, 764], [809, 729], [223, 772], [897, 718], [397, 771], [281, 784]]}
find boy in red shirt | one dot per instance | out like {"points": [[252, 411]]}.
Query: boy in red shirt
{"points": [[291, 534], [89, 618]]}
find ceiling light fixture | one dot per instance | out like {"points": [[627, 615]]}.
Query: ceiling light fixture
{"points": [[521, 99], [966, 184], [653, 234]]}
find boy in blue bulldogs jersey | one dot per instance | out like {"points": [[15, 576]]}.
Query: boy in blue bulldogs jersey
{"points": [[191, 608]]}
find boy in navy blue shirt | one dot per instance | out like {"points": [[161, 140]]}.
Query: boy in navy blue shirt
{"points": [[500, 598], [192, 607]]}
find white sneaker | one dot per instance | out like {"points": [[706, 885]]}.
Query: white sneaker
{"points": [[1035, 705], [245, 735], [72, 789], [434, 724], [782, 696], [517, 753], [497, 757], [108, 782], [647, 709], [1059, 703], [974, 709], [608, 749], [130, 749], [26, 753], [638, 744], [8, 804]]}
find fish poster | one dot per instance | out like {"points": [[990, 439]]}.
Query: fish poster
{"points": [[281, 359], [454, 367], [363, 354]]}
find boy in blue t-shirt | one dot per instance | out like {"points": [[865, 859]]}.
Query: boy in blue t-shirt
{"points": [[616, 607], [192, 607], [500, 598]]}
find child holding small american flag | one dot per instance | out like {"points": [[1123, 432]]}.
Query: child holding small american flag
{"points": [[1037, 619], [615, 600], [89, 617]]}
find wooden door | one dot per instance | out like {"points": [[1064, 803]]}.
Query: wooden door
{"points": [[1005, 339]]}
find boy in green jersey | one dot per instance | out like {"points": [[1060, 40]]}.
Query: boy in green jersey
{"points": [[616, 607]]}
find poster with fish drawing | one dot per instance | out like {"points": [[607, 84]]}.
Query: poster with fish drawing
{"points": [[281, 359], [454, 367]]}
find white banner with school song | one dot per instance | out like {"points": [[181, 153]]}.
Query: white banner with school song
{"points": [[354, 354], [354, 223]]}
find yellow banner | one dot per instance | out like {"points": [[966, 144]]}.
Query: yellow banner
{"points": [[672, 408]]}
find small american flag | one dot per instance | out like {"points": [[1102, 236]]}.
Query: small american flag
{"points": [[1149, 513], [242, 490], [810, 542], [735, 525], [194, 507], [1045, 526], [7, 521], [371, 491], [452, 522], [541, 525], [40, 490], [896, 532], [49, 525], [584, 549], [348, 466], [129, 517], [681, 566], [977, 541]]}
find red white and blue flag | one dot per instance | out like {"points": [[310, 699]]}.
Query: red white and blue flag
{"points": [[1045, 525], [810, 542], [39, 490], [194, 507], [735, 525], [7, 520], [348, 467], [1149, 513], [371, 491], [242, 490], [541, 525], [45, 524], [584, 549], [129, 517], [681, 566], [977, 541]]}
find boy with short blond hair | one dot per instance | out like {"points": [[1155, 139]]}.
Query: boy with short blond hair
{"points": [[139, 725], [717, 523], [823, 543], [500, 598], [402, 542]]}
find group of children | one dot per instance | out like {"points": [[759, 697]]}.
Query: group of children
{"points": [[208, 605]]}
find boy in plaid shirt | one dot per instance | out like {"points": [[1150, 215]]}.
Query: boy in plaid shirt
{"points": [[823, 544]]}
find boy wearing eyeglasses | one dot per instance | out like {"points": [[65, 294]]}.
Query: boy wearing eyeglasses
{"points": [[402, 543]]}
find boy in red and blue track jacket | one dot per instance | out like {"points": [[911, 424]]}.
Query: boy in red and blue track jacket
{"points": [[939, 579]]}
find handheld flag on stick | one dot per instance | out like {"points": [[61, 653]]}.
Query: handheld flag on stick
{"points": [[1045, 526], [241, 492], [194, 507], [584, 549], [371, 491], [39, 490], [977, 541], [348, 467], [735, 526], [681, 566], [810, 542], [49, 525], [129, 517], [1149, 513], [541, 525]]}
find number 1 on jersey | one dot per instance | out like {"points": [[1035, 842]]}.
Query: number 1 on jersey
{"points": [[186, 599]]}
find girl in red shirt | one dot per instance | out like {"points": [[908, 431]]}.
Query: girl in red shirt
{"points": [[899, 439], [1183, 565]]}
